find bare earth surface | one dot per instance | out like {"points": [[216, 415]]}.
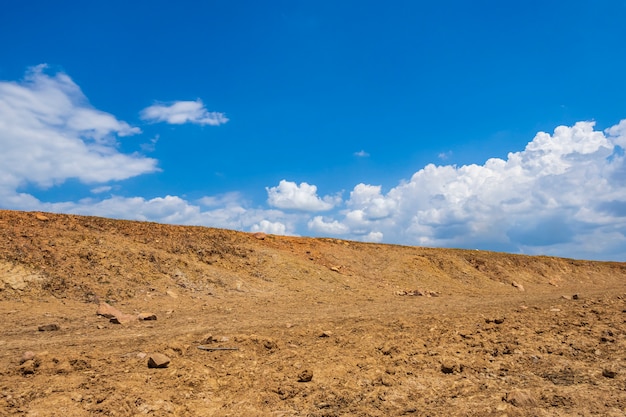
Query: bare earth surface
{"points": [[312, 327]]}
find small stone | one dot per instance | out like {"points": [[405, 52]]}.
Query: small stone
{"points": [[41, 217], [123, 319], [146, 316], [566, 297], [520, 398], [171, 294], [609, 373], [158, 360], [334, 268], [518, 286], [451, 366], [326, 333], [259, 235], [49, 327], [107, 310], [28, 367], [305, 376], [575, 297], [141, 355], [27, 356]]}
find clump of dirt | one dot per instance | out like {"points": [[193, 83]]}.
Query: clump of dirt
{"points": [[254, 324]]}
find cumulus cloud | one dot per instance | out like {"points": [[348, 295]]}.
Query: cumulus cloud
{"points": [[49, 133], [181, 112], [266, 226], [320, 226], [289, 195], [563, 194]]}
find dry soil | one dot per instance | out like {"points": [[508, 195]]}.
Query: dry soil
{"points": [[298, 326]]}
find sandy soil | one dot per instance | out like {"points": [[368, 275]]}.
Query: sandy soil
{"points": [[311, 327]]}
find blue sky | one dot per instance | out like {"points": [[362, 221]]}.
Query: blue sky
{"points": [[485, 124]]}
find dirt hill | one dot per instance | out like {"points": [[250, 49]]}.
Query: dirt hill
{"points": [[263, 325]]}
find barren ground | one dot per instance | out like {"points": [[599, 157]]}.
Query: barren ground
{"points": [[322, 327]]}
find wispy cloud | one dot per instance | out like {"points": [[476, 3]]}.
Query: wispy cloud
{"points": [[49, 133], [181, 112], [444, 155], [361, 154]]}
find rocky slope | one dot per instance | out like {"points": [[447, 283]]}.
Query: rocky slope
{"points": [[297, 326]]}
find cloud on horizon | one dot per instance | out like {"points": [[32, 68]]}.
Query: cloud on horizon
{"points": [[563, 195], [181, 112]]}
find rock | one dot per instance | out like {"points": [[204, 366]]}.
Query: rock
{"points": [[28, 367], [49, 327], [115, 315], [520, 398], [609, 373], [575, 297], [107, 310], [259, 235], [326, 333], [305, 376], [27, 356], [334, 268], [171, 294], [158, 360], [146, 316], [518, 286], [451, 366], [41, 217], [123, 318], [566, 297]]}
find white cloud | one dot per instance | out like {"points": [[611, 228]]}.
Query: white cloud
{"points": [[361, 154], [49, 133], [274, 228], [320, 226], [564, 195], [289, 195], [444, 155], [101, 189], [181, 112]]}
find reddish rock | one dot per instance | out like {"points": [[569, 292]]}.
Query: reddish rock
{"points": [[49, 327], [27, 356], [158, 360], [123, 318], [107, 310], [147, 316]]}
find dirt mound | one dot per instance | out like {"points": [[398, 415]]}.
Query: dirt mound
{"points": [[255, 324]]}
